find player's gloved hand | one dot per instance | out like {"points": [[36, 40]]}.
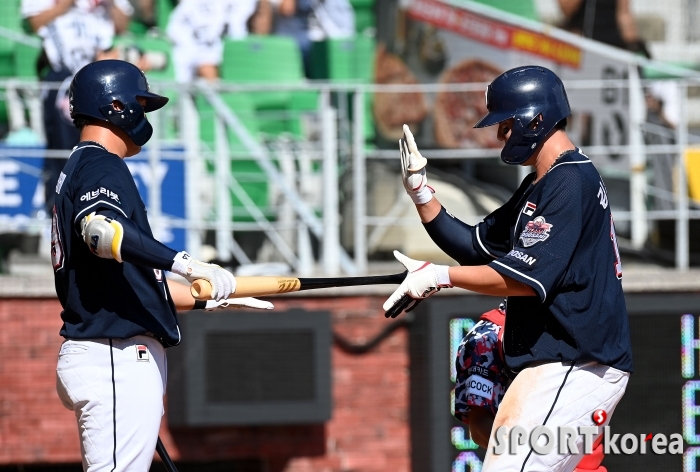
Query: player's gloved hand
{"points": [[423, 280], [222, 282], [413, 165], [246, 302]]}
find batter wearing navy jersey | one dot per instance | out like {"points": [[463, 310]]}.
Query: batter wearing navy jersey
{"points": [[551, 249], [119, 313], [482, 380]]}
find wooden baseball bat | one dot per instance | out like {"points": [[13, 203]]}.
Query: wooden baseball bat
{"points": [[167, 461], [270, 285]]}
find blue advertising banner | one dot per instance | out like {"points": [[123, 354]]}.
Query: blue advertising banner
{"points": [[22, 191]]}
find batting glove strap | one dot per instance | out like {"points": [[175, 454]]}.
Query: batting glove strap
{"points": [[423, 280], [222, 281], [422, 196], [239, 303]]}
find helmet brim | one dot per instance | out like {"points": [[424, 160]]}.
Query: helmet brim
{"points": [[493, 117], [153, 101]]}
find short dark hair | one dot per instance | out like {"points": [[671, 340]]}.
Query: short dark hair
{"points": [[562, 124], [82, 121]]}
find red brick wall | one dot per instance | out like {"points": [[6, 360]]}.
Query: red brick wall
{"points": [[368, 431]]}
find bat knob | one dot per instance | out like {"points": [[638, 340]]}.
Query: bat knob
{"points": [[201, 289]]}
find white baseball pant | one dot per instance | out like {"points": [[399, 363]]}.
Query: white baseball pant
{"points": [[115, 387], [554, 394]]}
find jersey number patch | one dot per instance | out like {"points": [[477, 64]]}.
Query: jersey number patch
{"points": [[56, 246], [618, 260]]}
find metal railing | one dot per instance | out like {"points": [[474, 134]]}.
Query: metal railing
{"points": [[311, 176]]}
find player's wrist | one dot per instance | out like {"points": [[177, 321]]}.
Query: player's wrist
{"points": [[442, 274], [180, 262], [422, 195]]}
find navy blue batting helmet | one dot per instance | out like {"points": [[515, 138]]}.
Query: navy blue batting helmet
{"points": [[108, 91], [524, 93]]}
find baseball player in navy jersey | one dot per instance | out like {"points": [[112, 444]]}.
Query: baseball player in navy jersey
{"points": [[119, 312], [482, 381], [552, 251]]}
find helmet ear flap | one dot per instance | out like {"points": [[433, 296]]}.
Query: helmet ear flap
{"points": [[129, 116]]}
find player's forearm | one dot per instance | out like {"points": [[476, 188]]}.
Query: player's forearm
{"points": [[121, 20], [483, 279], [480, 425], [182, 298], [428, 211]]}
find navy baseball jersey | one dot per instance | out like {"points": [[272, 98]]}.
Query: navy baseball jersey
{"points": [[557, 236], [103, 298]]}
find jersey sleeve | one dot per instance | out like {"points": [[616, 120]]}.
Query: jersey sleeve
{"points": [[548, 236], [102, 183], [493, 236]]}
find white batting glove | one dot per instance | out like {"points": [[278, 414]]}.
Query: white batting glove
{"points": [[240, 303], [423, 280], [413, 169], [222, 282]]}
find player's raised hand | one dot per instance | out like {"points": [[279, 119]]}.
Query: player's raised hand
{"points": [[222, 281], [413, 173], [247, 302], [423, 280]]}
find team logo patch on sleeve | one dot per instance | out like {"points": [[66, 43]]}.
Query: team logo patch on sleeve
{"points": [[535, 231], [529, 208]]}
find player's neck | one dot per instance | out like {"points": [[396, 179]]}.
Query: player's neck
{"points": [[104, 136], [551, 150]]}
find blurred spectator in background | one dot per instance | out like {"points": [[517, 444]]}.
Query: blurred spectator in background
{"points": [[607, 21], [144, 13], [74, 33], [313, 20], [197, 29]]}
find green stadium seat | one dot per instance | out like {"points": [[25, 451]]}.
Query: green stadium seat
{"points": [[364, 19], [347, 60], [7, 64], [10, 18], [364, 14], [163, 10], [25, 58], [269, 60]]}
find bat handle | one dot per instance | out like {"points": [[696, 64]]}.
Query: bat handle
{"points": [[167, 461], [201, 289]]}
